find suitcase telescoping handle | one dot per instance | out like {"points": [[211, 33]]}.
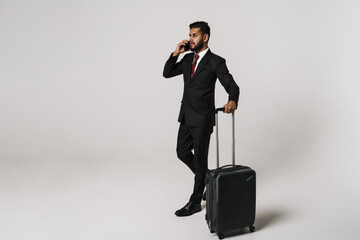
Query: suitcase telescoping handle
{"points": [[217, 136]]}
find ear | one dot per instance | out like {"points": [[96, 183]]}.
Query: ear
{"points": [[206, 37]]}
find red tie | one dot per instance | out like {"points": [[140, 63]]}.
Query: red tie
{"points": [[194, 64]]}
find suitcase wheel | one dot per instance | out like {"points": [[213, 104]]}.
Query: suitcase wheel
{"points": [[221, 236], [212, 231], [252, 228]]}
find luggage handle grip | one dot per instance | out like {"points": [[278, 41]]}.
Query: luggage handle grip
{"points": [[228, 166], [219, 109]]}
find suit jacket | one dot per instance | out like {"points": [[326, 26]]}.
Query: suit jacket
{"points": [[198, 101]]}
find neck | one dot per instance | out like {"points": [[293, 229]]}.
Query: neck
{"points": [[202, 49]]}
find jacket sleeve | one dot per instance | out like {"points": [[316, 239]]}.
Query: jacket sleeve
{"points": [[227, 80], [172, 68]]}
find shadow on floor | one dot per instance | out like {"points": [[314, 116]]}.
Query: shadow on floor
{"points": [[262, 221], [265, 219]]}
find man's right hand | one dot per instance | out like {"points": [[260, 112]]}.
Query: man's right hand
{"points": [[180, 48]]}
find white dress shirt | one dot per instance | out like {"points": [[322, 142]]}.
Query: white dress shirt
{"points": [[201, 55]]}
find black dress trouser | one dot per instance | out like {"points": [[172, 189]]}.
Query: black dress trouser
{"points": [[197, 139]]}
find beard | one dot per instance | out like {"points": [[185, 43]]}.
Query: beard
{"points": [[197, 47]]}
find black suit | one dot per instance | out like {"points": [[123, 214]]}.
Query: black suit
{"points": [[197, 112]]}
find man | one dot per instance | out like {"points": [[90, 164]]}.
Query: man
{"points": [[200, 70]]}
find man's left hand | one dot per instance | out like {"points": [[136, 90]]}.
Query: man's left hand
{"points": [[230, 106]]}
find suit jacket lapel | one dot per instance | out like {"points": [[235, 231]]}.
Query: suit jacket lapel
{"points": [[188, 68], [201, 65]]}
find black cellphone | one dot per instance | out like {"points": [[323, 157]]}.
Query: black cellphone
{"points": [[187, 46]]}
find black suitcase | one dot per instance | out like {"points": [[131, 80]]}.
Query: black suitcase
{"points": [[230, 194]]}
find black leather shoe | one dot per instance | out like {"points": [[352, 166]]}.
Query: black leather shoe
{"points": [[204, 196], [189, 209]]}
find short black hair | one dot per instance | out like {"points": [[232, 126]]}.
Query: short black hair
{"points": [[204, 27]]}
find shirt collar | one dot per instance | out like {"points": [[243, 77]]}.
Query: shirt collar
{"points": [[202, 53]]}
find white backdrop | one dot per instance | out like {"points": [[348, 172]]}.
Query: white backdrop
{"points": [[88, 124]]}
